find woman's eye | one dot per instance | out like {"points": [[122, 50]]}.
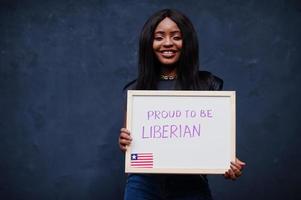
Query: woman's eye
{"points": [[177, 38], [158, 38]]}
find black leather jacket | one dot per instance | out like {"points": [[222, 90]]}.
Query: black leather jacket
{"points": [[208, 81]]}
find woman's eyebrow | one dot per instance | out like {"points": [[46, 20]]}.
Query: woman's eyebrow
{"points": [[159, 32], [177, 31]]}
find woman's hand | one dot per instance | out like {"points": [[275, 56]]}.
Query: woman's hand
{"points": [[124, 139], [235, 170]]}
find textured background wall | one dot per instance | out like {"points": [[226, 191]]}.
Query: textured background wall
{"points": [[62, 68]]}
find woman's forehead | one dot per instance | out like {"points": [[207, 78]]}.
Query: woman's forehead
{"points": [[167, 24]]}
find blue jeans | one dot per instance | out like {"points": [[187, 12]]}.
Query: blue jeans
{"points": [[163, 187]]}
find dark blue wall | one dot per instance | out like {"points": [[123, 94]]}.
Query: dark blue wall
{"points": [[63, 65]]}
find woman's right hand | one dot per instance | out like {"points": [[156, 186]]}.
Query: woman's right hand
{"points": [[124, 139]]}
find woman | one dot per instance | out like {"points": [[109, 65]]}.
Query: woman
{"points": [[168, 60]]}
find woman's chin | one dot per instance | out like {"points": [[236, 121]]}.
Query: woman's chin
{"points": [[168, 62]]}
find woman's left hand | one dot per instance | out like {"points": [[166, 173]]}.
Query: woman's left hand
{"points": [[235, 170]]}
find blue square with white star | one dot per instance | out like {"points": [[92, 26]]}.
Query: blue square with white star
{"points": [[134, 156]]}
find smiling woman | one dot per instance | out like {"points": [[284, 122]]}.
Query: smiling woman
{"points": [[167, 44], [168, 60], [168, 47]]}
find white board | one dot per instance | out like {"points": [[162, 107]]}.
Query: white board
{"points": [[180, 131]]}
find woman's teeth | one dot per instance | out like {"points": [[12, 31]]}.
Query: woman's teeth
{"points": [[168, 53]]}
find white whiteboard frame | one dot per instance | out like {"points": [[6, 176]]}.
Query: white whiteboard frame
{"points": [[195, 170]]}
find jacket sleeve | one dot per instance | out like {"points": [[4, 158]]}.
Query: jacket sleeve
{"points": [[216, 83], [129, 86], [208, 81]]}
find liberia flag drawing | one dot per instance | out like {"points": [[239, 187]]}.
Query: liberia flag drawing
{"points": [[142, 160]]}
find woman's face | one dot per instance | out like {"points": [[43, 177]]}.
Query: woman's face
{"points": [[167, 42]]}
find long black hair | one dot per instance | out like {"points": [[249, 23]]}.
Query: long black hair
{"points": [[188, 64]]}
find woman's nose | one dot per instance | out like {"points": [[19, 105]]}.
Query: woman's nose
{"points": [[167, 42]]}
